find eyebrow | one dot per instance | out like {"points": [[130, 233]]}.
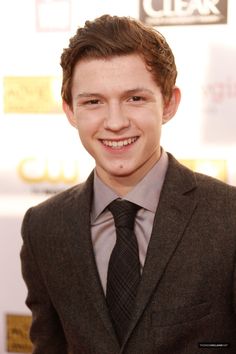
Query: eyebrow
{"points": [[127, 92], [138, 90], [87, 94]]}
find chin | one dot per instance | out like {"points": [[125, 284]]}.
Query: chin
{"points": [[121, 172]]}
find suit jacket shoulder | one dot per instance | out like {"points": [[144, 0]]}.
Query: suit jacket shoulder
{"points": [[212, 189], [47, 215]]}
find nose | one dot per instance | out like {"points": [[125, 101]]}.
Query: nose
{"points": [[115, 119]]}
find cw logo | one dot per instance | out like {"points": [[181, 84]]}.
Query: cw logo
{"points": [[35, 170]]}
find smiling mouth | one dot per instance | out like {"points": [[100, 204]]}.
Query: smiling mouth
{"points": [[117, 144]]}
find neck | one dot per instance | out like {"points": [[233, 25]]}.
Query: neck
{"points": [[122, 185]]}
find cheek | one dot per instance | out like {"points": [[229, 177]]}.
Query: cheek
{"points": [[152, 132], [87, 133], [84, 134], [149, 118], [89, 122], [87, 127], [150, 125]]}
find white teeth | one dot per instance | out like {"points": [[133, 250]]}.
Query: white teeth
{"points": [[120, 143]]}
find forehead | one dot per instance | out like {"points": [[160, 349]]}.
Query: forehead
{"points": [[113, 59], [117, 71]]}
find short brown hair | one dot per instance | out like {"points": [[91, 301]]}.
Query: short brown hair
{"points": [[109, 36]]}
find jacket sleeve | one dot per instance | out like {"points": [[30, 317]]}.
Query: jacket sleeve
{"points": [[46, 332], [232, 222]]}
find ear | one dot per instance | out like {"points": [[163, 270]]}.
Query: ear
{"points": [[69, 114], [170, 108]]}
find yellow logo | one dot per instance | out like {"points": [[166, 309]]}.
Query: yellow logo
{"points": [[38, 170], [18, 333]]}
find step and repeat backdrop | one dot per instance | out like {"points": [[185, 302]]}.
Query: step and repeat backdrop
{"points": [[41, 153]]}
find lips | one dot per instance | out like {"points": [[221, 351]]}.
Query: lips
{"points": [[117, 144]]}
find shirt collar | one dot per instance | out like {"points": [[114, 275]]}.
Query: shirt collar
{"points": [[146, 193]]}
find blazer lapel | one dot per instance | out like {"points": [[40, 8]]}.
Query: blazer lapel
{"points": [[81, 250], [174, 211]]}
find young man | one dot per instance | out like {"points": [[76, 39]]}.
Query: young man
{"points": [[165, 282]]}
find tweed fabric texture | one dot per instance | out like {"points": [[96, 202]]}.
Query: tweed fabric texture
{"points": [[124, 267]]}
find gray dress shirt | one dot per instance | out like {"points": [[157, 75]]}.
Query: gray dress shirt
{"points": [[146, 194]]}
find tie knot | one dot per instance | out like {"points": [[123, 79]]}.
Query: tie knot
{"points": [[124, 212]]}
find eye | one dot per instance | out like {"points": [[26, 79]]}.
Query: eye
{"points": [[92, 102], [136, 99]]}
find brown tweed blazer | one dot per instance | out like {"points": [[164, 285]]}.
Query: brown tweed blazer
{"points": [[187, 296]]}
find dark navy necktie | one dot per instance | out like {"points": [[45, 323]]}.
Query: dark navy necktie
{"points": [[124, 267]]}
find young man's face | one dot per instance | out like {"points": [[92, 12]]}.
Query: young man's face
{"points": [[118, 110]]}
